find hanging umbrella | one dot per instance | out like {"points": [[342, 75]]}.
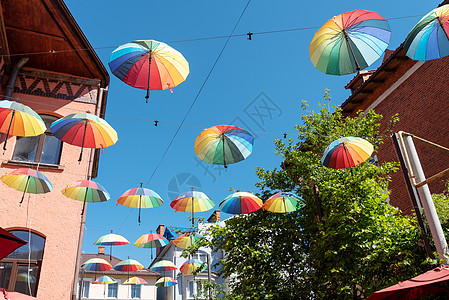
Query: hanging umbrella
{"points": [[429, 38], [110, 240], [347, 152], [429, 283], [186, 240], [84, 130], [140, 198], [223, 145], [27, 181], [165, 282], [151, 240], [349, 42], [25, 277], [193, 266], [128, 265], [9, 243], [19, 120], [240, 203], [283, 203], [104, 280], [86, 191], [163, 266], [149, 65], [96, 264], [135, 280], [192, 201]]}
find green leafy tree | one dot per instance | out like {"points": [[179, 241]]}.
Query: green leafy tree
{"points": [[346, 243]]}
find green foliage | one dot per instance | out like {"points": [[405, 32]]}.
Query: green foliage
{"points": [[441, 202], [347, 242]]}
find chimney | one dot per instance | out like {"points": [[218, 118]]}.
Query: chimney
{"points": [[215, 217], [101, 250], [160, 229]]}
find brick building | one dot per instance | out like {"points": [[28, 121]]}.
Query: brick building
{"points": [[47, 64]]}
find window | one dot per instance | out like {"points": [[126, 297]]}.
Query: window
{"points": [[86, 285], [135, 291], [112, 290], [44, 148], [194, 288], [16, 272]]}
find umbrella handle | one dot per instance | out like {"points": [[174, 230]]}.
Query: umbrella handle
{"points": [[26, 186], [9, 128], [347, 157], [82, 144], [149, 73]]}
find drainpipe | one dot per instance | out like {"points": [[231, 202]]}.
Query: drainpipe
{"points": [[13, 77]]}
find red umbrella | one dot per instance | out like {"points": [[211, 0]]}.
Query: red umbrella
{"points": [[9, 243], [9, 295], [429, 283]]}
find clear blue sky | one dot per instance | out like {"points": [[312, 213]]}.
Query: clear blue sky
{"points": [[257, 85]]}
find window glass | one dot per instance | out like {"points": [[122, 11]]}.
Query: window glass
{"points": [[5, 274], [112, 290], [26, 279], [135, 291], [37, 246], [86, 285]]}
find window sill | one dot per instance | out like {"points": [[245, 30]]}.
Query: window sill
{"points": [[33, 164]]}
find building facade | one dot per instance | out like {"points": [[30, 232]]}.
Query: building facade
{"points": [[47, 64]]}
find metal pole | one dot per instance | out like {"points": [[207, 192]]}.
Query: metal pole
{"points": [[81, 284], [209, 276], [426, 197]]}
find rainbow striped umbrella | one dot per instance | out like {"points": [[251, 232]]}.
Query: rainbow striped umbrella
{"points": [[128, 265], [240, 203], [110, 240], [193, 266], [163, 266], [165, 282], [151, 240], [96, 264], [347, 152], [140, 198], [429, 38], [349, 42], [283, 203], [149, 65], [135, 280], [192, 201], [186, 240], [224, 144], [104, 280], [84, 130], [86, 191], [19, 120], [27, 181]]}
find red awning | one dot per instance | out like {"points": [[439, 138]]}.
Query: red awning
{"points": [[9, 243]]}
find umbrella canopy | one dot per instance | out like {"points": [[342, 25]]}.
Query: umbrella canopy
{"points": [[163, 266], [224, 144], [193, 266], [96, 264], [347, 152], [19, 120], [420, 286], [104, 280], [140, 198], [149, 65], [86, 191], [110, 240], [84, 130], [151, 240], [283, 203], [240, 203], [192, 201], [27, 181], [135, 280], [349, 42], [165, 282], [9, 243], [10, 295], [429, 38], [186, 240], [128, 265]]}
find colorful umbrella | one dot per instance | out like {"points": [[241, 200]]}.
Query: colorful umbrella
{"points": [[96, 264], [283, 203], [349, 42], [224, 144], [149, 65], [25, 277], [104, 280], [165, 282], [240, 203], [186, 240], [128, 265], [84, 130], [151, 240], [347, 152], [86, 191], [110, 240], [192, 201], [19, 120], [9, 243], [193, 266], [429, 38], [163, 266], [140, 198], [135, 280], [27, 181]]}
